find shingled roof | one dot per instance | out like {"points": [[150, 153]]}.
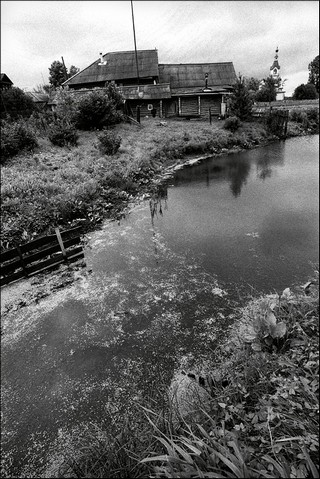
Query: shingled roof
{"points": [[119, 66], [5, 80], [190, 77]]}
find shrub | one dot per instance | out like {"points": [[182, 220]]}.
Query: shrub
{"points": [[98, 109], [16, 137], [109, 142], [16, 104], [63, 134], [232, 123], [305, 92]]}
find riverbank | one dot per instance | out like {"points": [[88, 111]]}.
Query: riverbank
{"points": [[65, 187], [117, 451]]}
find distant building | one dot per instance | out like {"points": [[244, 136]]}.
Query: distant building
{"points": [[275, 74], [5, 82], [186, 90]]}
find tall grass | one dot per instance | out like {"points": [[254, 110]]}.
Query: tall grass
{"points": [[60, 186]]}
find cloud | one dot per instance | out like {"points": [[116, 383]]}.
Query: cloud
{"points": [[35, 33]]}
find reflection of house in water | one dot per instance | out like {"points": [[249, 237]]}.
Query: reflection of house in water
{"points": [[158, 201], [228, 168], [266, 159]]}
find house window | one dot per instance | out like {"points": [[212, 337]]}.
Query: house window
{"points": [[275, 71], [150, 107]]}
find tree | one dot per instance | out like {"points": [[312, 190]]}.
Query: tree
{"points": [[73, 70], [305, 92], [268, 91], [252, 84], [241, 102], [57, 74], [15, 103], [314, 73]]}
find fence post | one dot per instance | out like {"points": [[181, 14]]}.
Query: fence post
{"points": [[21, 261], [64, 253]]}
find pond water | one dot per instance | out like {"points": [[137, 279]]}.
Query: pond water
{"points": [[251, 218], [160, 296]]}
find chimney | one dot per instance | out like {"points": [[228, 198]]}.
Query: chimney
{"points": [[102, 62]]}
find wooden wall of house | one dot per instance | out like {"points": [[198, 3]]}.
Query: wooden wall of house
{"points": [[213, 102], [170, 108], [189, 105], [132, 105]]}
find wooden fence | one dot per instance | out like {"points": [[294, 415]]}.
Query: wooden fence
{"points": [[40, 254]]}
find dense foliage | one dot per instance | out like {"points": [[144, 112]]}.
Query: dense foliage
{"points": [[58, 73], [16, 104], [268, 91], [241, 102], [232, 123], [305, 92], [314, 72], [98, 109], [15, 137]]}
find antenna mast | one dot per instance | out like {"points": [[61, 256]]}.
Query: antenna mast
{"points": [[135, 43]]}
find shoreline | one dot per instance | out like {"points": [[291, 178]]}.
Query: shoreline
{"points": [[25, 291]]}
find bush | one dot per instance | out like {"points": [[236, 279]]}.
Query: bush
{"points": [[96, 110], [109, 143], [16, 104], [16, 137], [232, 123], [63, 134], [305, 92]]}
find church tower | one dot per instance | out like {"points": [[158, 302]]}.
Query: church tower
{"points": [[275, 74]]}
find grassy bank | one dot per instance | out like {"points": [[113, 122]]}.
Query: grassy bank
{"points": [[62, 186], [254, 412]]}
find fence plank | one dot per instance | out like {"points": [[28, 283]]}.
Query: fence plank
{"points": [[12, 277], [37, 243], [13, 265], [74, 231], [11, 253], [10, 267], [46, 246], [51, 261]]}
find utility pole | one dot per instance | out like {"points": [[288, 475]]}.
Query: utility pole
{"points": [[65, 70], [135, 43]]}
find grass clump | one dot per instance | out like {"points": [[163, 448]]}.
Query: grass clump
{"points": [[108, 142], [63, 134], [232, 123]]}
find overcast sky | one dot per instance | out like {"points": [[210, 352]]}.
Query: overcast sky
{"points": [[35, 33]]}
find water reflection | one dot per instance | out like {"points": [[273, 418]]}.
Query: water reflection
{"points": [[216, 206]]}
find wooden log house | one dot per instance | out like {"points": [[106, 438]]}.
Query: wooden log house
{"points": [[167, 90]]}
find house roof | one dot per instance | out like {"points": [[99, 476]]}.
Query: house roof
{"points": [[119, 66], [190, 77], [5, 79]]}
